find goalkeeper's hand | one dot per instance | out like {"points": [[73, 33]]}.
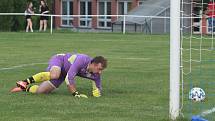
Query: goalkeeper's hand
{"points": [[96, 92], [77, 94]]}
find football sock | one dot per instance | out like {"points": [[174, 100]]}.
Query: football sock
{"points": [[39, 77], [32, 89]]}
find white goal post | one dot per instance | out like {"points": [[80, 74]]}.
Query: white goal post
{"points": [[174, 101]]}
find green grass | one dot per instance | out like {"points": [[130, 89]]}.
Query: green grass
{"points": [[135, 84]]}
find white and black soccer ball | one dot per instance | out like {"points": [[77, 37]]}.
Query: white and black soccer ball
{"points": [[197, 94]]}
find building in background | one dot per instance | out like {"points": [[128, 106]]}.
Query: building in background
{"points": [[123, 7], [91, 7]]}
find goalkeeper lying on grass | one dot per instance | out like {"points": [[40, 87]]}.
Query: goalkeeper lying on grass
{"points": [[66, 67]]}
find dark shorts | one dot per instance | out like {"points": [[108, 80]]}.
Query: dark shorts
{"points": [[57, 60], [44, 18], [28, 17]]}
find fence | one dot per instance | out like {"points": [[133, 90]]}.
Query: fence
{"points": [[149, 23]]}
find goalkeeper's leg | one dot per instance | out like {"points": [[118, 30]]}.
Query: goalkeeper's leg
{"points": [[54, 73], [46, 86], [39, 77]]}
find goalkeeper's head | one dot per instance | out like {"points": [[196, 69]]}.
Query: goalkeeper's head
{"points": [[97, 65]]}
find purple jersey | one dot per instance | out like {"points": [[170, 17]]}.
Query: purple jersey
{"points": [[73, 65]]}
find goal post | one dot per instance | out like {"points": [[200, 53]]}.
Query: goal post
{"points": [[174, 101]]}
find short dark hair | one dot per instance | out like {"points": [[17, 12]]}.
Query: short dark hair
{"points": [[100, 59]]}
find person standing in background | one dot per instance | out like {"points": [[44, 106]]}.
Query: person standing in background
{"points": [[210, 12], [29, 10], [43, 19]]}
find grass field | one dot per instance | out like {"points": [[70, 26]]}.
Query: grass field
{"points": [[135, 84]]}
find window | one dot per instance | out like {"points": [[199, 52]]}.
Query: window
{"points": [[104, 9], [108, 9], [101, 9], [71, 8], [124, 7], [140, 3], [85, 9], [82, 8], [129, 7], [64, 7], [121, 8], [67, 9]]}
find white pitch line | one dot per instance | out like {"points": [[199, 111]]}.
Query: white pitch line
{"points": [[20, 66], [33, 64], [131, 58], [207, 112]]}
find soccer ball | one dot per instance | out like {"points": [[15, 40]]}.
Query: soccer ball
{"points": [[197, 94]]}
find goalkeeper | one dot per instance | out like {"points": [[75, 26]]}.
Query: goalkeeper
{"points": [[64, 67]]}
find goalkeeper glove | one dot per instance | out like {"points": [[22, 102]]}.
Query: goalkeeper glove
{"points": [[96, 93], [77, 94]]}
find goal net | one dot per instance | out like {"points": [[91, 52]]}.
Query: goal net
{"points": [[197, 57]]}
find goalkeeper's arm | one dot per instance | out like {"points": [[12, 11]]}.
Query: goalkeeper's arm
{"points": [[72, 72], [71, 85], [95, 90], [74, 92]]}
